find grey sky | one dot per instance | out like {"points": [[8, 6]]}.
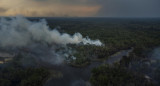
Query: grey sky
{"points": [[105, 8]]}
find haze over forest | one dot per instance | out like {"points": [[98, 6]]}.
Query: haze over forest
{"points": [[79, 42]]}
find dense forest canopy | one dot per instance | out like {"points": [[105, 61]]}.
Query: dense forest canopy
{"points": [[116, 34]]}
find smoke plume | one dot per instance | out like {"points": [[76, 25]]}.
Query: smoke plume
{"points": [[37, 40], [19, 31]]}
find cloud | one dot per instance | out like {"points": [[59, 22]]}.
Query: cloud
{"points": [[2, 10], [130, 8], [109, 8], [49, 8], [55, 10]]}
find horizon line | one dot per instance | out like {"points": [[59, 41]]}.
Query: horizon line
{"points": [[77, 17]]}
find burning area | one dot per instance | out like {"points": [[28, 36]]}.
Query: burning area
{"points": [[36, 39]]}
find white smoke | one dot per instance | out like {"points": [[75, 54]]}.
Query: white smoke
{"points": [[19, 31], [37, 41]]}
